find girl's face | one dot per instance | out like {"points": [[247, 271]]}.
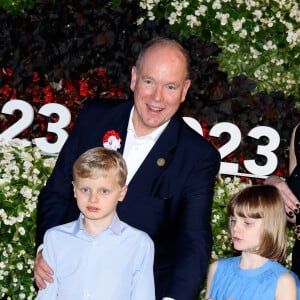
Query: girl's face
{"points": [[245, 233]]}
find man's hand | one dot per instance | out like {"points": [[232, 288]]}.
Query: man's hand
{"points": [[42, 272], [291, 203]]}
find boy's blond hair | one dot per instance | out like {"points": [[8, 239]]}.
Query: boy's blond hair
{"points": [[97, 162]]}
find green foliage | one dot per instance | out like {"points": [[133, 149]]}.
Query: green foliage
{"points": [[260, 39], [16, 6]]}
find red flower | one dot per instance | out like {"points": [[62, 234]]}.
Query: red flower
{"points": [[112, 140], [101, 72], [36, 77]]}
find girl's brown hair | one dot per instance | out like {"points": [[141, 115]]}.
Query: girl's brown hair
{"points": [[264, 202]]}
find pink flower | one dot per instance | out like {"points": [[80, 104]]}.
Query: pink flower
{"points": [[112, 140]]}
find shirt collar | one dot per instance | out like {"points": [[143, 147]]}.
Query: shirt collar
{"points": [[115, 225], [154, 135]]}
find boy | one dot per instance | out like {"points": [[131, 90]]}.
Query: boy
{"points": [[98, 256]]}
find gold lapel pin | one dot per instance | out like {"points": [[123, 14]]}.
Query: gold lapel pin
{"points": [[161, 162]]}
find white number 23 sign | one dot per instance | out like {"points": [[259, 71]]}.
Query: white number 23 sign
{"points": [[64, 118]]}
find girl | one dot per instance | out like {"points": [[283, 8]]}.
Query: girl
{"points": [[257, 223]]}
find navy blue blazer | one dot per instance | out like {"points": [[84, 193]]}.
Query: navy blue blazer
{"points": [[171, 201]]}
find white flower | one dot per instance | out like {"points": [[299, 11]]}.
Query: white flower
{"points": [[269, 45], [112, 143], [237, 25], [172, 18], [19, 266], [257, 13], [151, 16], [256, 28], [192, 21], [295, 12], [26, 192], [201, 10], [36, 171], [223, 18], [233, 48], [140, 21], [216, 5], [21, 230], [27, 164], [243, 33], [293, 37], [255, 52]]}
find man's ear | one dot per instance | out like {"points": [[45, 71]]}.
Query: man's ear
{"points": [[186, 87], [133, 78]]}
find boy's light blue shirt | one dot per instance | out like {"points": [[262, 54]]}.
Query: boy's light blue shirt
{"points": [[115, 265]]}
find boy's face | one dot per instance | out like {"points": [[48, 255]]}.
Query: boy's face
{"points": [[97, 198]]}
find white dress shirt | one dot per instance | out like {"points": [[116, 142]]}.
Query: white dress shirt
{"points": [[137, 147]]}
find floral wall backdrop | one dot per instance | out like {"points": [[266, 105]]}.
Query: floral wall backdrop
{"points": [[23, 171], [259, 38], [244, 58]]}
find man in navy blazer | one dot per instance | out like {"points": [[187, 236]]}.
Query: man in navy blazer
{"points": [[170, 194]]}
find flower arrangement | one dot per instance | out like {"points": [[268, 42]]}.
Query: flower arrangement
{"points": [[23, 172], [110, 39], [258, 38]]}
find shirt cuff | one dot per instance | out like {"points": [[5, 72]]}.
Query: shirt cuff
{"points": [[167, 298], [40, 248]]}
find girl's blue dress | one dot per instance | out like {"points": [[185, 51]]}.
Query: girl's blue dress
{"points": [[230, 281]]}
